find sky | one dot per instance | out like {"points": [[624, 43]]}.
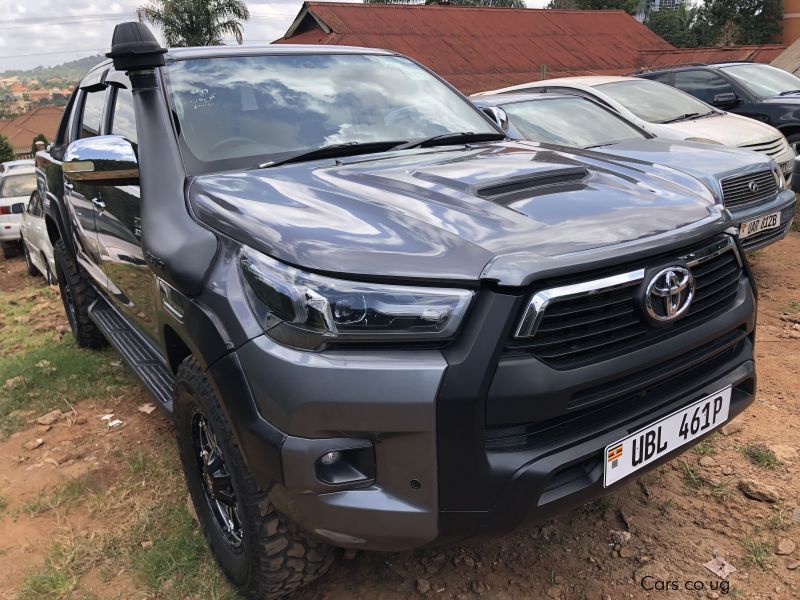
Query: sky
{"points": [[50, 32]]}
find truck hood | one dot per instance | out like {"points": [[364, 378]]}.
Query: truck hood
{"points": [[725, 128], [707, 162], [500, 211]]}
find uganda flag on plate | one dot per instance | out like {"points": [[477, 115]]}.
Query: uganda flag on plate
{"points": [[614, 454]]}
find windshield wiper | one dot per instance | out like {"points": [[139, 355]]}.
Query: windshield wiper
{"points": [[681, 118], [334, 151], [462, 137], [789, 92]]}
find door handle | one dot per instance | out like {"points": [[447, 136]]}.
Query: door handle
{"points": [[99, 204]]}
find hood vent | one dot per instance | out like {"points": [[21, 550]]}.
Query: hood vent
{"points": [[526, 183]]}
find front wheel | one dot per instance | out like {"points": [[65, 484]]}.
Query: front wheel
{"points": [[30, 267], [262, 552]]}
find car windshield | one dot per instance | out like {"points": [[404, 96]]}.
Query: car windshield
{"points": [[569, 122], [239, 111], [654, 102], [764, 80], [12, 186]]}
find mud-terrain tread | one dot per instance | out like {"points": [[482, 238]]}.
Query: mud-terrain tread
{"points": [[282, 558], [86, 333]]}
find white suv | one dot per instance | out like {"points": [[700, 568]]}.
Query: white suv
{"points": [[670, 113], [15, 189]]}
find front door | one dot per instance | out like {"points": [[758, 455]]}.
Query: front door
{"points": [[131, 284]]}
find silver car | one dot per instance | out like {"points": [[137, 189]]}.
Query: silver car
{"points": [[16, 188], [35, 241]]}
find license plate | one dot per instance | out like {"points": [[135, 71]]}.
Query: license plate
{"points": [[770, 221], [658, 439]]}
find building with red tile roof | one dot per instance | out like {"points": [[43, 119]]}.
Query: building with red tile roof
{"points": [[22, 129]]}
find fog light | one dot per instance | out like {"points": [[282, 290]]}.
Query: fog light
{"points": [[330, 458]]}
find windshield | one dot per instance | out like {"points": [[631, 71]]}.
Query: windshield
{"points": [[764, 80], [654, 102], [569, 122], [240, 111], [12, 186]]}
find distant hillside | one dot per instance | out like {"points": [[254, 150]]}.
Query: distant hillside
{"points": [[70, 71]]}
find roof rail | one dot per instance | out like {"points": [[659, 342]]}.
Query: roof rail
{"points": [[666, 67]]}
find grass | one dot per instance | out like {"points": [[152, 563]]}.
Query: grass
{"points": [[59, 576], [760, 455], [782, 519], [757, 552], [66, 494], [3, 503], [601, 505], [708, 446], [691, 477], [794, 305]]}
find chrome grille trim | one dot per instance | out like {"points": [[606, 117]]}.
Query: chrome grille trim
{"points": [[539, 302], [736, 191]]}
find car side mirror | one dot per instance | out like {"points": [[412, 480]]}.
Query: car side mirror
{"points": [[498, 115], [101, 160], [726, 99]]}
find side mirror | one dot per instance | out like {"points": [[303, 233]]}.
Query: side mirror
{"points": [[102, 160], [726, 99], [498, 115]]}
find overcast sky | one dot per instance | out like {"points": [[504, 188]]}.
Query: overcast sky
{"points": [[50, 32]]}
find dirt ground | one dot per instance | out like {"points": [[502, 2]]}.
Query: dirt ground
{"points": [[78, 499]]}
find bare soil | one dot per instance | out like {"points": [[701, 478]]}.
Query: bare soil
{"points": [[678, 517]]}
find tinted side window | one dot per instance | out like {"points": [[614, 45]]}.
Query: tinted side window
{"points": [[659, 77], [123, 122], [92, 119], [702, 84]]}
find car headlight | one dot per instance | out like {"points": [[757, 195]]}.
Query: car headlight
{"points": [[309, 311], [703, 140]]}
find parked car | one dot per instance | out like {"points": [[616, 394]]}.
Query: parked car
{"points": [[15, 188], [372, 329], [9, 165], [35, 241], [762, 92], [764, 214], [671, 114]]}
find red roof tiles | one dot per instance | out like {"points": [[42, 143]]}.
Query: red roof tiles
{"points": [[484, 48]]}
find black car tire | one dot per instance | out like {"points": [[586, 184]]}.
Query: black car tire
{"points": [[32, 270], [273, 558], [77, 296], [10, 250]]}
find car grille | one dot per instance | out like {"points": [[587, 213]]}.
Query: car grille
{"points": [[598, 324], [772, 148], [736, 190]]}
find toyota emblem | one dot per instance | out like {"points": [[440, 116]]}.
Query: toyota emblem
{"points": [[752, 186], [669, 293]]}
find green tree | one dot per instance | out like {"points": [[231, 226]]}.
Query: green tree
{"points": [[39, 137], [6, 149], [196, 22], [677, 26], [629, 6], [494, 3]]}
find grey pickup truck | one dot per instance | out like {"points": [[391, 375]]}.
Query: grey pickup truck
{"points": [[376, 321]]}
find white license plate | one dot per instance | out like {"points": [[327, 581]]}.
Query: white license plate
{"points": [[662, 437], [770, 221]]}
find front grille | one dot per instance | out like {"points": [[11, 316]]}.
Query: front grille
{"points": [[599, 324], [736, 191], [772, 148]]}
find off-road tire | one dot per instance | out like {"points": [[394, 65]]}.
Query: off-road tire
{"points": [[275, 557], [10, 250], [77, 295], [29, 266]]}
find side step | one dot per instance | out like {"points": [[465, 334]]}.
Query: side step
{"points": [[138, 353]]}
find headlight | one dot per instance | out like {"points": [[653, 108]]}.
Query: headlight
{"points": [[308, 311], [703, 141]]}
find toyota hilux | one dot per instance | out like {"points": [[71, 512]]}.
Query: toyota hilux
{"points": [[376, 321]]}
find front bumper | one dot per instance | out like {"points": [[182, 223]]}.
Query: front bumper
{"points": [[443, 473], [784, 202]]}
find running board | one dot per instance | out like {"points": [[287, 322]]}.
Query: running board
{"points": [[139, 354]]}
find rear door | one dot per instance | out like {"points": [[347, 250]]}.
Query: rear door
{"points": [[131, 284]]}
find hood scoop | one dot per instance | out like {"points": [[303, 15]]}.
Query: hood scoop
{"points": [[523, 184]]}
